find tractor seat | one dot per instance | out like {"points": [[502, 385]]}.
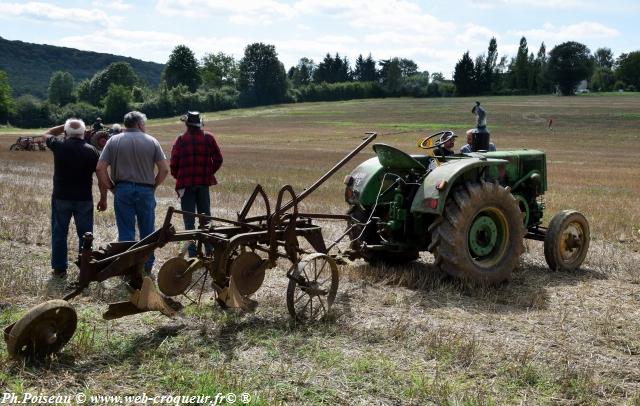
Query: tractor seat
{"points": [[393, 158]]}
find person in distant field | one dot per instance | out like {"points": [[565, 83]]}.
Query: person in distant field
{"points": [[74, 162], [195, 159], [466, 148], [447, 141], [132, 156], [97, 125]]}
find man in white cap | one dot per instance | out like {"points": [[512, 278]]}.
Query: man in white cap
{"points": [[74, 162]]}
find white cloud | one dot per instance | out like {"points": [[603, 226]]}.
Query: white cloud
{"points": [[49, 12], [119, 5], [151, 45], [493, 4], [378, 15], [475, 36], [582, 31], [145, 45], [247, 12]]}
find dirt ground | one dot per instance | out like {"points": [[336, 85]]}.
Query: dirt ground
{"points": [[396, 335]]}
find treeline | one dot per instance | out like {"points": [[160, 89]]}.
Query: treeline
{"points": [[30, 66], [558, 71], [218, 82]]}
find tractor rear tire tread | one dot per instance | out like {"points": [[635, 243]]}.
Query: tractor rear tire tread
{"points": [[450, 238]]}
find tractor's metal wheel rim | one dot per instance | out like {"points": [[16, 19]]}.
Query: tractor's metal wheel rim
{"points": [[313, 299], [488, 236], [571, 242]]}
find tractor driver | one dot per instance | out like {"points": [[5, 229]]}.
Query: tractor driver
{"points": [[97, 125], [447, 142]]}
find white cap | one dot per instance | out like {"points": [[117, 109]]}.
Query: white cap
{"points": [[74, 127]]}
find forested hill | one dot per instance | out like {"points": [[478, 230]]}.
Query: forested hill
{"points": [[29, 66]]}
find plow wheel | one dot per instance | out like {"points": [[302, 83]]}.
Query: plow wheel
{"points": [[247, 272], [313, 284], [44, 330], [567, 241], [173, 279]]}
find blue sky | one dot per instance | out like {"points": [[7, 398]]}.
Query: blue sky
{"points": [[434, 34]]}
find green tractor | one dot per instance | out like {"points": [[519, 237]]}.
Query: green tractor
{"points": [[470, 210]]}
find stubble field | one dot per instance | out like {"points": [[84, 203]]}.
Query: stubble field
{"points": [[396, 335]]}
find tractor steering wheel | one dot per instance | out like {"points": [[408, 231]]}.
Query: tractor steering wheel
{"points": [[424, 144]]}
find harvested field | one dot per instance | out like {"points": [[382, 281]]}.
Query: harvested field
{"points": [[397, 335]]}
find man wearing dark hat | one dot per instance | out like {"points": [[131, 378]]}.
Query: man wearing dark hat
{"points": [[447, 141], [195, 158], [97, 125]]}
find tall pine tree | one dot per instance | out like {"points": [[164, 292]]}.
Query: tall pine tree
{"points": [[520, 72], [463, 76]]}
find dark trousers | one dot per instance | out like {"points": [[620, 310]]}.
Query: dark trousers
{"points": [[196, 200], [61, 213]]}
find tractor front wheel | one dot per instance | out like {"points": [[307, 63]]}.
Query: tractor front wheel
{"points": [[567, 241], [479, 236], [16, 147]]}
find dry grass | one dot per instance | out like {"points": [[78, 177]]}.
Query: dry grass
{"points": [[397, 335]]}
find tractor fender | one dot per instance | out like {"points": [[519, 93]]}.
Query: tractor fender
{"points": [[432, 193]]}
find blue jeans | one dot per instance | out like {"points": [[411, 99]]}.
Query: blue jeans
{"points": [[195, 198], [135, 202], [61, 213]]}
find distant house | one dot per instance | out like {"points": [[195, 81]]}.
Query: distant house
{"points": [[582, 87]]}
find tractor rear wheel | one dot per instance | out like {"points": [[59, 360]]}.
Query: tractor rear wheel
{"points": [[361, 236], [479, 236], [567, 241]]}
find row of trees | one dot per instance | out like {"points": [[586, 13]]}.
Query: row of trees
{"points": [[561, 70], [218, 81]]}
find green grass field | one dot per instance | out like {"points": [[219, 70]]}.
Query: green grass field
{"points": [[396, 335]]}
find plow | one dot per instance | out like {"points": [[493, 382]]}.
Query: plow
{"points": [[28, 144], [234, 253], [471, 211]]}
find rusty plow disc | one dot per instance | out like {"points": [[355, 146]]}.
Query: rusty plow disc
{"points": [[247, 272], [173, 277]]}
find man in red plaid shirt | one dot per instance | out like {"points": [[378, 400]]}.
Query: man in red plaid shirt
{"points": [[195, 158]]}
